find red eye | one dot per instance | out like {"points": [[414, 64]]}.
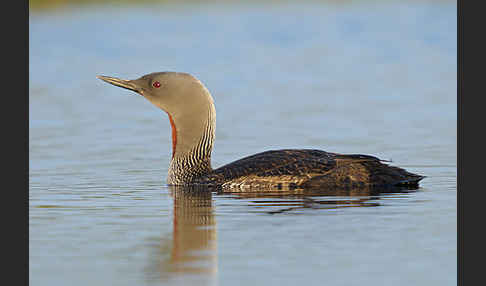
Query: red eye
{"points": [[156, 84]]}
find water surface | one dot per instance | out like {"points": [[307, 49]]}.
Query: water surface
{"points": [[373, 78]]}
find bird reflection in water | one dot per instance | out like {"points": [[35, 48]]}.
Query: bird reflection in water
{"points": [[189, 255], [194, 231], [193, 250], [282, 201]]}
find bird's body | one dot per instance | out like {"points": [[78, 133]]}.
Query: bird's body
{"points": [[306, 169], [193, 119]]}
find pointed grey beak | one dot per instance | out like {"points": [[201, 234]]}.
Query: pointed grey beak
{"points": [[128, 84]]}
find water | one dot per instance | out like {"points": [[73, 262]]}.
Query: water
{"points": [[373, 78]]}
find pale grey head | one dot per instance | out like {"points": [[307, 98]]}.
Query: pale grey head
{"points": [[191, 113]]}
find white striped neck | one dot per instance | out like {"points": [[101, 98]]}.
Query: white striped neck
{"points": [[192, 139]]}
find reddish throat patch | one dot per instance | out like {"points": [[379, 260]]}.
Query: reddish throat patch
{"points": [[174, 135]]}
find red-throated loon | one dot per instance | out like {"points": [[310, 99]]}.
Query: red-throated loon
{"points": [[192, 117]]}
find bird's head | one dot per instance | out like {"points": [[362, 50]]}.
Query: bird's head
{"points": [[185, 99], [174, 92]]}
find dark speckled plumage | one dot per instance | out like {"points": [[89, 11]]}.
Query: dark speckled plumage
{"points": [[193, 120], [305, 168]]}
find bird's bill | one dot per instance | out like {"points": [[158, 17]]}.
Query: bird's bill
{"points": [[128, 84]]}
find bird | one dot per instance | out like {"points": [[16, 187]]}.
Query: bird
{"points": [[192, 117]]}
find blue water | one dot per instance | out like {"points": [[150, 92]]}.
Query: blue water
{"points": [[373, 78]]}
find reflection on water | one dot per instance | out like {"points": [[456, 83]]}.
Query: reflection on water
{"points": [[194, 231], [193, 244], [279, 202]]}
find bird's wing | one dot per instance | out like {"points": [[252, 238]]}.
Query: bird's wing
{"points": [[277, 163], [310, 168]]}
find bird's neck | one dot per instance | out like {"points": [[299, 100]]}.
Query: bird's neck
{"points": [[192, 144]]}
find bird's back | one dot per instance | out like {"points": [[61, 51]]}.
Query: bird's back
{"points": [[306, 168]]}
